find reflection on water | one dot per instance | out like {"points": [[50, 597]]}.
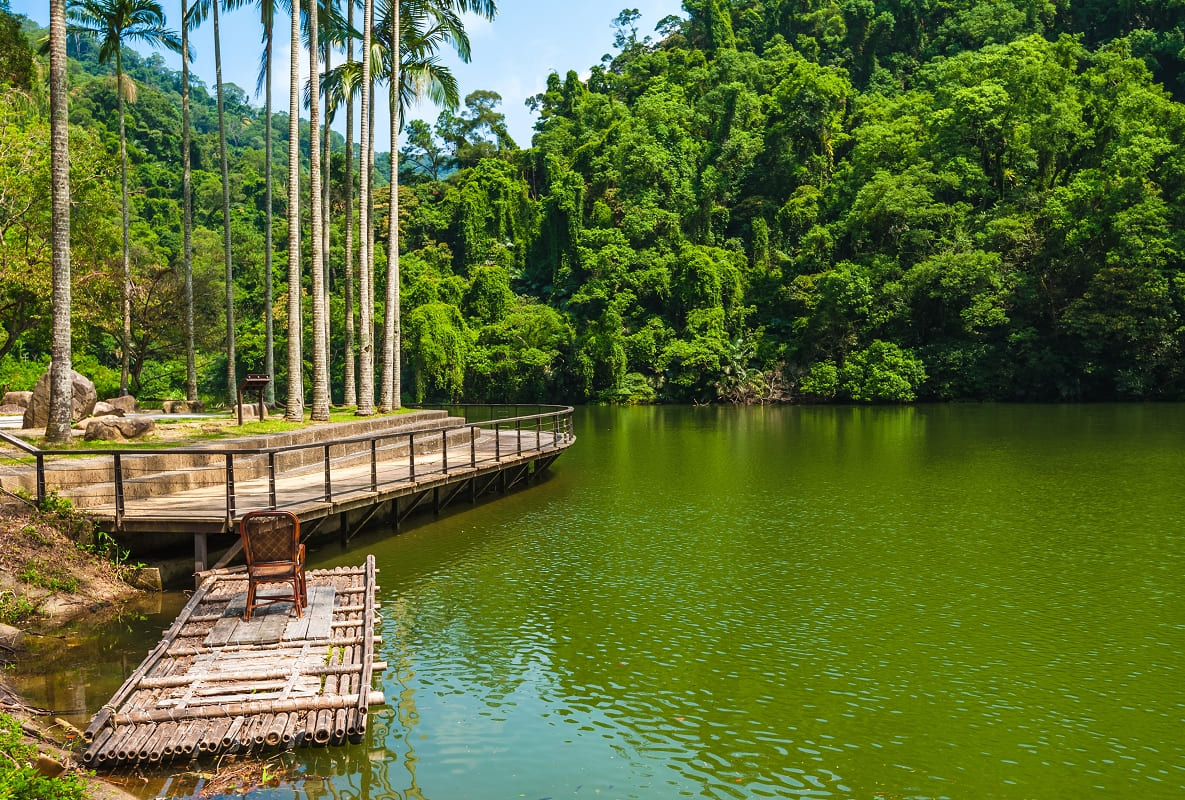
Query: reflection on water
{"points": [[945, 601]]}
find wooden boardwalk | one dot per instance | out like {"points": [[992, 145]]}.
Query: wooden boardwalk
{"points": [[216, 684], [335, 479]]}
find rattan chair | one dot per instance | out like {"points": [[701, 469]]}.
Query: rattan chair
{"points": [[271, 543]]}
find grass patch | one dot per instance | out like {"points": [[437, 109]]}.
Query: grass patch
{"points": [[15, 609], [47, 576], [20, 780]]}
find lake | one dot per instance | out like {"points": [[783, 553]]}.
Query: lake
{"points": [[953, 601]]}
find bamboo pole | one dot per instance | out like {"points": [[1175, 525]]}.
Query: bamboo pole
{"points": [[202, 651], [92, 751], [275, 731], [228, 736], [367, 637], [173, 745], [108, 710], [189, 743], [289, 733], [321, 731], [259, 733], [269, 674]]}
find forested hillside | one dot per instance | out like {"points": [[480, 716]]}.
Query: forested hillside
{"points": [[856, 200]]}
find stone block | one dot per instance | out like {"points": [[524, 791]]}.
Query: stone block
{"points": [[20, 399], [182, 407], [118, 429], [127, 403], [105, 409]]}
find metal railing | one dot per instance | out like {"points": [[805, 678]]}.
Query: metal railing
{"points": [[349, 466]]}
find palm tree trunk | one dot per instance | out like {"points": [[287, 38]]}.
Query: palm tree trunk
{"points": [[231, 379], [365, 273], [187, 218], [320, 405], [126, 339], [60, 385], [294, 410], [373, 254], [391, 389], [326, 174], [351, 397], [269, 355]]}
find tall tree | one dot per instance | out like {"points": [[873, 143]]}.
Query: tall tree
{"points": [[412, 70], [365, 271], [267, 14], [389, 393], [199, 12], [351, 395], [320, 405], [187, 214], [294, 409], [113, 22], [60, 386]]}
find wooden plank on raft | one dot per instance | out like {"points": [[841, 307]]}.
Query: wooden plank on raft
{"points": [[317, 616]]}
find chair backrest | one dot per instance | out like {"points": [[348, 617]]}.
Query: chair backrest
{"points": [[270, 536]]}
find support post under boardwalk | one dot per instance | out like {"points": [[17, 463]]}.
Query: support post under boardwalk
{"points": [[201, 554]]}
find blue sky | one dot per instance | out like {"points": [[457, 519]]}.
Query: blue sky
{"points": [[512, 55]]}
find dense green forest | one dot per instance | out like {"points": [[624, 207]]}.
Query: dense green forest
{"points": [[813, 200]]}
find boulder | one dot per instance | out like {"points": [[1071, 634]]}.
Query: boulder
{"points": [[11, 411], [105, 409], [182, 407], [11, 638], [127, 404], [84, 399], [16, 399], [250, 412], [118, 429]]}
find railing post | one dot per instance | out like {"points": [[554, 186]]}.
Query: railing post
{"points": [[538, 431], [497, 441], [271, 479], [230, 491], [411, 455], [444, 451], [40, 480], [117, 468], [518, 434], [473, 446], [374, 465], [328, 479]]}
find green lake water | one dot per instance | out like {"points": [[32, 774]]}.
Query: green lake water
{"points": [[960, 601]]}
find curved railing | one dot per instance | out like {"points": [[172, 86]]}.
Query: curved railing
{"points": [[290, 474]]}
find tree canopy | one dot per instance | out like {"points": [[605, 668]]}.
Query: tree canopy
{"points": [[817, 200]]}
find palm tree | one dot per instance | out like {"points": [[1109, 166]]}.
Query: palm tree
{"points": [[198, 15], [365, 271], [187, 214], [61, 387], [413, 73], [389, 392], [267, 13], [320, 406], [294, 410], [113, 22], [351, 396]]}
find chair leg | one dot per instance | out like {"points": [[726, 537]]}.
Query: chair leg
{"points": [[296, 596], [250, 601]]}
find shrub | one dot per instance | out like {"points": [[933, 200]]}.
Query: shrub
{"points": [[19, 780]]}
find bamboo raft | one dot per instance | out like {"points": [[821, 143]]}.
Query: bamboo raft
{"points": [[216, 684]]}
